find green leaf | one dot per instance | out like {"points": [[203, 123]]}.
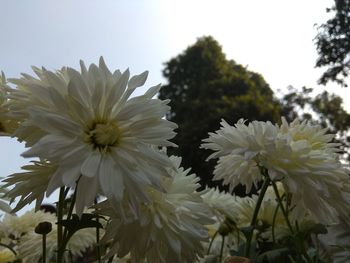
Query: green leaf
{"points": [[318, 229], [247, 230], [211, 259], [239, 252], [76, 223], [275, 255]]}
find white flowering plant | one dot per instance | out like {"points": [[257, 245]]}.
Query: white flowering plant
{"points": [[123, 199]]}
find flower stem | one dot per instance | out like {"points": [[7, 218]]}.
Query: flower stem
{"points": [[60, 205], [222, 248], [98, 248], [66, 235], [211, 241], [70, 212], [255, 215], [111, 259], [274, 223], [280, 202], [44, 248], [285, 215], [305, 254]]}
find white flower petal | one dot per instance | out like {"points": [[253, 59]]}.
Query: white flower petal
{"points": [[111, 179], [91, 164], [86, 193]]}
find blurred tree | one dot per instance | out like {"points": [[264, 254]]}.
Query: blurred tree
{"points": [[331, 114], [333, 44], [294, 102], [205, 87]]}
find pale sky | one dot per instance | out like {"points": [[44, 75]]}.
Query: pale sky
{"points": [[272, 37]]}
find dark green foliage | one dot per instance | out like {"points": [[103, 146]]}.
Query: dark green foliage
{"points": [[275, 255], [294, 102], [331, 113], [75, 223], [333, 44], [204, 87]]}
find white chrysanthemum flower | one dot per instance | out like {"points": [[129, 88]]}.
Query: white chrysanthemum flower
{"points": [[223, 207], [335, 244], [30, 185], [30, 249], [316, 137], [126, 259], [170, 227], [300, 155], [20, 231], [238, 149], [244, 212], [240, 211], [7, 125], [213, 247], [270, 192], [222, 204], [7, 256], [271, 222], [88, 125], [18, 226], [4, 206], [309, 169]]}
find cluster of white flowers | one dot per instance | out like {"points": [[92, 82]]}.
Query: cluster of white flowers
{"points": [[7, 124], [233, 216], [170, 227], [86, 125], [223, 206], [18, 233], [88, 134], [30, 185], [299, 155]]}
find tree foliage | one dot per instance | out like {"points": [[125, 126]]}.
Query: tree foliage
{"points": [[205, 87], [333, 44]]}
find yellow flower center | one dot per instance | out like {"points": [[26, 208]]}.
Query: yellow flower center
{"points": [[103, 135], [7, 255]]}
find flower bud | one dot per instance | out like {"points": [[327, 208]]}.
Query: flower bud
{"points": [[43, 228]]}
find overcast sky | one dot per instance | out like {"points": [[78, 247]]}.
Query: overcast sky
{"points": [[272, 37]]}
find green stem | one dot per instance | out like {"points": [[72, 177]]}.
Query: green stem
{"points": [[66, 192], [110, 259], [317, 249], [60, 205], [65, 236], [222, 248], [255, 215], [62, 249], [98, 248], [274, 223], [280, 202], [44, 248], [238, 234], [285, 215], [305, 254], [211, 241], [70, 212]]}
